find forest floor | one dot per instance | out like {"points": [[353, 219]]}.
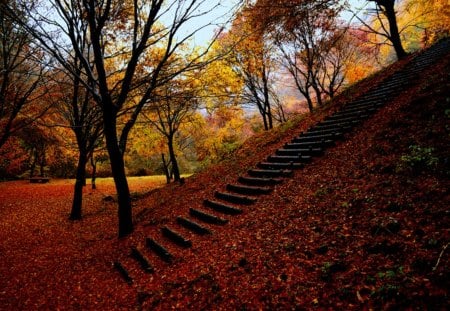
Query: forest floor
{"points": [[366, 226]]}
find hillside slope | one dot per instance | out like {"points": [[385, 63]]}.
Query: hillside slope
{"points": [[365, 225]]}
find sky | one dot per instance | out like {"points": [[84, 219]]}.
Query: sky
{"points": [[217, 17], [223, 12]]}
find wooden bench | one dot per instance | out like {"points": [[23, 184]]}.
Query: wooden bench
{"points": [[39, 179]]}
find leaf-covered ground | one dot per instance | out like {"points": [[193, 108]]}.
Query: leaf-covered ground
{"points": [[365, 226]]}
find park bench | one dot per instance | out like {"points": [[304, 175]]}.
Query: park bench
{"points": [[39, 179]]}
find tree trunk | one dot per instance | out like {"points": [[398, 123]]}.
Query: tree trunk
{"points": [[269, 117], [166, 168], [33, 163], [77, 202], [266, 126], [173, 159], [94, 172], [393, 29], [267, 108], [42, 164], [125, 212], [309, 101], [318, 94]]}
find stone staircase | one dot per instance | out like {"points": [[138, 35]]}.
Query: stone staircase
{"points": [[260, 181]]}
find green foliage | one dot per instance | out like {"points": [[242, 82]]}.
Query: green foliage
{"points": [[388, 281], [326, 267], [419, 159]]}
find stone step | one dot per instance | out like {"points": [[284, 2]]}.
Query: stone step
{"points": [[248, 190], [311, 144], [332, 130], [367, 109], [255, 181], [280, 166], [176, 237], [302, 151], [393, 86], [346, 114], [307, 136], [222, 208], [289, 159], [193, 226], [363, 104], [270, 173], [318, 138], [234, 198], [321, 127], [206, 217], [123, 272], [142, 260], [159, 250], [392, 82], [389, 86], [343, 120], [362, 100], [373, 95], [347, 122]]}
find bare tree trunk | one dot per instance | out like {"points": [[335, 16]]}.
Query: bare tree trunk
{"points": [[393, 29], [166, 168], [125, 212], [173, 160], [42, 164], [318, 94], [309, 101], [267, 108], [266, 125], [269, 117], [94, 172], [77, 202], [33, 162]]}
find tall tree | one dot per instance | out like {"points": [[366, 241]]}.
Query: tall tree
{"points": [[336, 54], [126, 34], [252, 58], [383, 12], [300, 29], [22, 76], [38, 140], [171, 106], [80, 113], [386, 7]]}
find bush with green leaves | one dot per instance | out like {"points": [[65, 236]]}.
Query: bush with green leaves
{"points": [[419, 159]]}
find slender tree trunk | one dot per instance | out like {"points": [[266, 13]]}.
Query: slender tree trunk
{"points": [[318, 95], [331, 91], [267, 107], [310, 103], [393, 29], [166, 168], [33, 163], [125, 212], [42, 164], [266, 125], [77, 202], [173, 159], [94, 172], [269, 117]]}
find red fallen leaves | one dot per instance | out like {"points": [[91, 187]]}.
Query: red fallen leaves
{"points": [[50, 262], [349, 231]]}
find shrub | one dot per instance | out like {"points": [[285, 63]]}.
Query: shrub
{"points": [[419, 159]]}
